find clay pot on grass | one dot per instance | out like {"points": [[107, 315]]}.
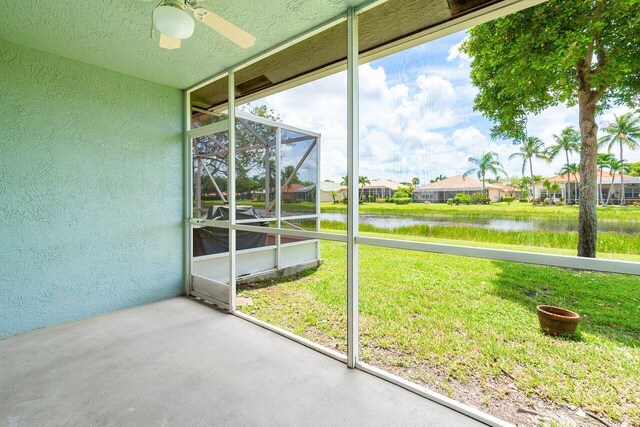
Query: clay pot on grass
{"points": [[556, 321]]}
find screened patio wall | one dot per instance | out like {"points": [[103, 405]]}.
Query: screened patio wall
{"points": [[353, 239]]}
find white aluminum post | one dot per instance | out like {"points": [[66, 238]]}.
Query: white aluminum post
{"points": [[352, 188], [231, 190], [278, 183], [187, 191], [318, 193]]}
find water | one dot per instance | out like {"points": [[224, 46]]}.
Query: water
{"points": [[389, 222]]}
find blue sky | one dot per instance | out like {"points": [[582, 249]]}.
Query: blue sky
{"points": [[416, 117]]}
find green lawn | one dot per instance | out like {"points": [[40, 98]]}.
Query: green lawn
{"points": [[495, 210], [455, 323], [514, 210], [608, 242]]}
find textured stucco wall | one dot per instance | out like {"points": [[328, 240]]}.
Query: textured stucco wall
{"points": [[90, 190]]}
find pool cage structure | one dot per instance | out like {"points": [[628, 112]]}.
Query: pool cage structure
{"points": [[276, 186]]}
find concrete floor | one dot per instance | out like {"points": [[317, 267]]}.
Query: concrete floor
{"points": [[177, 362]]}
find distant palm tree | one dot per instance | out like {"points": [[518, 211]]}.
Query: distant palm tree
{"points": [[568, 141], [438, 178], [624, 130], [552, 188], [363, 180], [604, 159], [571, 169], [616, 166], [532, 147], [416, 181], [345, 181], [488, 162]]}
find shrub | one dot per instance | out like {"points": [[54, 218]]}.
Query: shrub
{"points": [[636, 204], [402, 193], [560, 202], [382, 200], [462, 199], [507, 199], [479, 198], [402, 200], [450, 201], [345, 200], [523, 200]]}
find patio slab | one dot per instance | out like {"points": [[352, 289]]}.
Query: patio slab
{"points": [[178, 362]]}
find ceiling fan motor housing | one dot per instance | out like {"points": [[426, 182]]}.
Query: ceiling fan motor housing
{"points": [[172, 20]]}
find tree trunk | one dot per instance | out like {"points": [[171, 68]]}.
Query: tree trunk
{"points": [[566, 152], [533, 181], [613, 177], [600, 189], [587, 219], [622, 203]]}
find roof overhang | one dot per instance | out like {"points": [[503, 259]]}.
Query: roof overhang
{"points": [[385, 27]]}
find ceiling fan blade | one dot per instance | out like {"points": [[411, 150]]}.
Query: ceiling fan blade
{"points": [[224, 27], [167, 42]]}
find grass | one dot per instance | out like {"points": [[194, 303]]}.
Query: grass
{"points": [[612, 243], [514, 210], [442, 320], [500, 210]]}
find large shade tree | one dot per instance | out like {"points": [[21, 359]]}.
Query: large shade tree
{"points": [[574, 52]]}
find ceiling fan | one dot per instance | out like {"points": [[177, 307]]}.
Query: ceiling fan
{"points": [[171, 18]]}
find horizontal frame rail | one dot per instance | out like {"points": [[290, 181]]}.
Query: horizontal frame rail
{"points": [[433, 396], [550, 260], [307, 343]]}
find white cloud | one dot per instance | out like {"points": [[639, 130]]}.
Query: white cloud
{"points": [[456, 53], [423, 126]]}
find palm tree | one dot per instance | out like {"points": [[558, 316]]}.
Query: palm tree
{"points": [[438, 178], [569, 169], [415, 181], [524, 184], [604, 159], [532, 147], [334, 195], [616, 166], [345, 181], [568, 141], [488, 162], [363, 180], [624, 130], [552, 188]]}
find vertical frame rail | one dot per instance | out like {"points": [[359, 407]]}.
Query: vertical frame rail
{"points": [[187, 191], [231, 190], [278, 198], [352, 187]]}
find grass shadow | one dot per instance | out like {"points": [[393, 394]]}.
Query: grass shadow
{"points": [[608, 304]]}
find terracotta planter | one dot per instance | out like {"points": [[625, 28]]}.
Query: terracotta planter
{"points": [[557, 321]]}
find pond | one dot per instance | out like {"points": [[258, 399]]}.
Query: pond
{"points": [[390, 222]]}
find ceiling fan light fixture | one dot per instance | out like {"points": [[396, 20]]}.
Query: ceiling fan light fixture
{"points": [[173, 21]]}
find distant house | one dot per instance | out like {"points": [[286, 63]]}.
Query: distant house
{"points": [[568, 184], [379, 188], [440, 191], [326, 188], [297, 192]]}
